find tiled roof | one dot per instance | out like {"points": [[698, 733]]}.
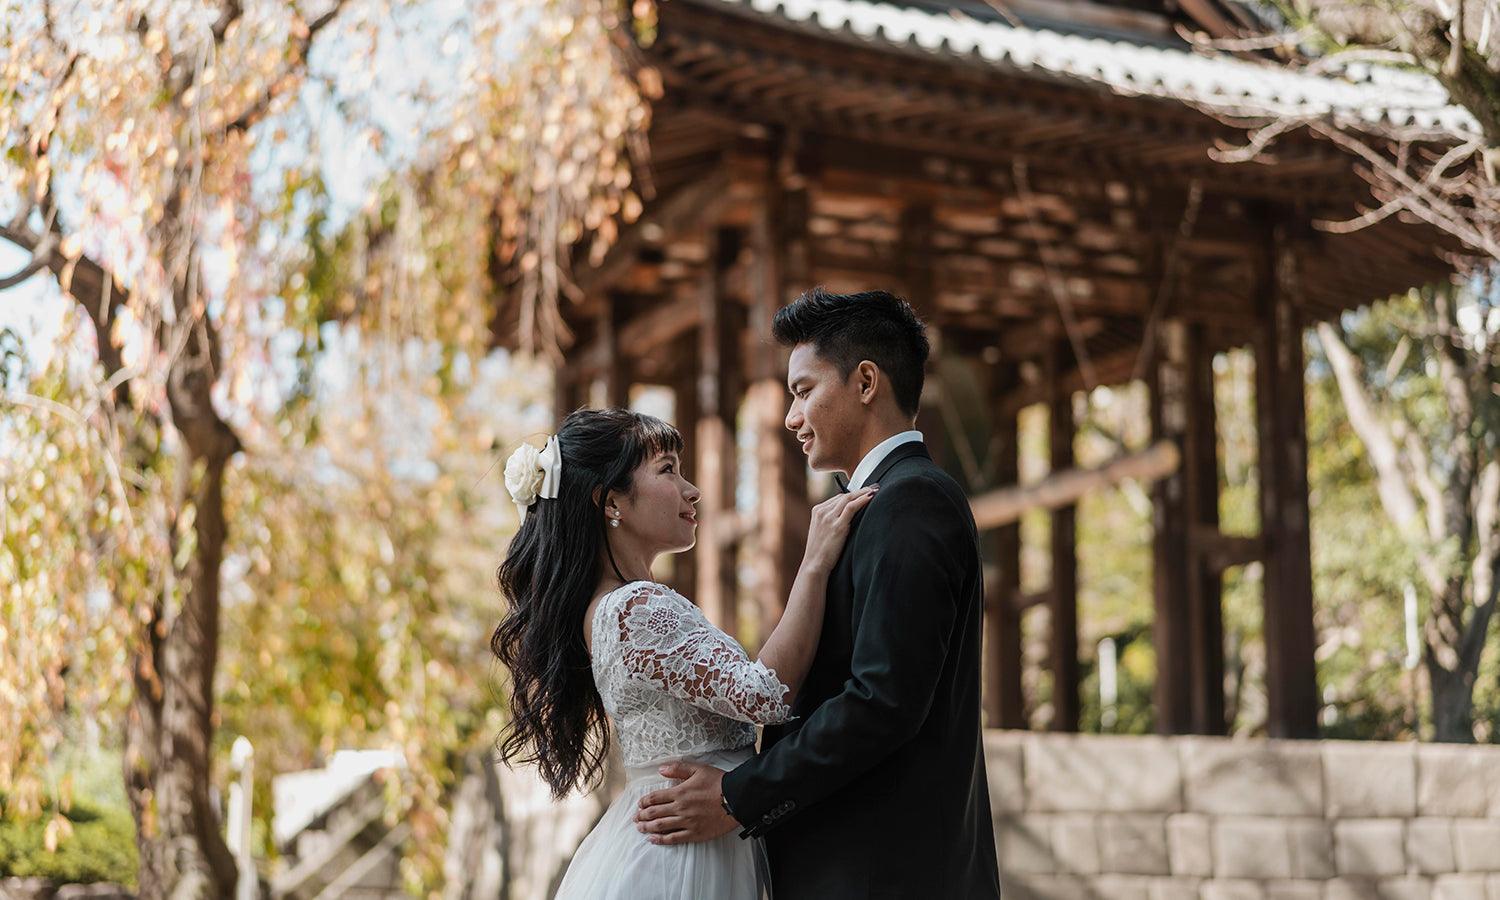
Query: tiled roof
{"points": [[1361, 95]]}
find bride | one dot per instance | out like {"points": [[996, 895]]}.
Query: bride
{"points": [[590, 639]]}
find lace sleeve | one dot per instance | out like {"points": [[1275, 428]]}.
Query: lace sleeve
{"points": [[666, 641]]}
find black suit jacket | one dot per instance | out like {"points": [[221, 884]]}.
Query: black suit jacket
{"points": [[877, 787]]}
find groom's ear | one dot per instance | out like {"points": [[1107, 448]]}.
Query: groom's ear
{"points": [[867, 377]]}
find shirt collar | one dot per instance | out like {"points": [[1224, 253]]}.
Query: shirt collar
{"points": [[879, 452]]}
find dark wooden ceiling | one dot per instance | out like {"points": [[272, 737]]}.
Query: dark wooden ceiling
{"points": [[1003, 202]]}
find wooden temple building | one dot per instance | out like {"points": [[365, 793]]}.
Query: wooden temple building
{"points": [[1051, 183]]}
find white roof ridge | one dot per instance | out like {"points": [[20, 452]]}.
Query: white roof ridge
{"points": [[1363, 91]]}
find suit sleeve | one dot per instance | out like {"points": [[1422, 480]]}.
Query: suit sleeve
{"points": [[911, 556]]}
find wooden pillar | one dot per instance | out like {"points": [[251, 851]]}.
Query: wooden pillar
{"points": [[567, 392], [615, 372], [1204, 582], [914, 248], [685, 417], [718, 401], [1004, 703], [1063, 599], [929, 418], [1189, 629], [1291, 672], [779, 250], [1170, 525]]}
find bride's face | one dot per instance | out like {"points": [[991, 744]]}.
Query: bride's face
{"points": [[659, 512]]}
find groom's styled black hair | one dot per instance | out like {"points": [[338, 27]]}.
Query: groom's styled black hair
{"points": [[847, 328]]}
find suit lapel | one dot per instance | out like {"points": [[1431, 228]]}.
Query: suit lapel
{"points": [[903, 451]]}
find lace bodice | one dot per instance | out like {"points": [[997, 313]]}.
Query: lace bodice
{"points": [[673, 684]]}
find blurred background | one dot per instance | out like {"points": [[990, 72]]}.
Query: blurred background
{"points": [[1211, 287]]}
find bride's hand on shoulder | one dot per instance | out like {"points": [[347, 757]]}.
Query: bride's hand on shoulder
{"points": [[829, 527]]}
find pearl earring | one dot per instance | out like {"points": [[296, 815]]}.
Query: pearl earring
{"points": [[614, 523]]}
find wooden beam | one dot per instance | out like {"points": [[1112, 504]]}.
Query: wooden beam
{"points": [[1291, 671], [1017, 600], [644, 335], [1220, 552], [1021, 601], [974, 110], [1205, 13], [1012, 341], [694, 205], [734, 527], [997, 508], [1111, 368], [649, 332]]}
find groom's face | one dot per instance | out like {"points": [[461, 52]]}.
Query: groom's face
{"points": [[824, 410]]}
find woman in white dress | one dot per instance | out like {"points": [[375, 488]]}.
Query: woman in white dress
{"points": [[590, 639]]}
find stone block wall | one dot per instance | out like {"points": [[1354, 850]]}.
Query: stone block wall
{"points": [[1098, 817]]}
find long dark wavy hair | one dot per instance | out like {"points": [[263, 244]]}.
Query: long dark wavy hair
{"points": [[557, 719]]}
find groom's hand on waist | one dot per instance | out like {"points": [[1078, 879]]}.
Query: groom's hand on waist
{"points": [[689, 812]]}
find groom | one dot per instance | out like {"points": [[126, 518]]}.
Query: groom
{"points": [[876, 786]]}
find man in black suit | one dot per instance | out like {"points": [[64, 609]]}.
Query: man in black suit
{"points": [[876, 787]]}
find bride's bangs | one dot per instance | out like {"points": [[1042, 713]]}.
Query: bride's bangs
{"points": [[659, 437]]}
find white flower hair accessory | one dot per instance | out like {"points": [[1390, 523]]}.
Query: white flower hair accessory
{"points": [[531, 473]]}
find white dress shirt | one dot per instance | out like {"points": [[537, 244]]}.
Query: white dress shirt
{"points": [[878, 454]]}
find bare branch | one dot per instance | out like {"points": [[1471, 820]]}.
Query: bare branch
{"points": [[37, 263], [228, 15], [1005, 13], [1395, 493], [1360, 55], [1454, 62], [1260, 139], [86, 281], [1378, 214], [1419, 465], [1433, 209], [1273, 41], [1487, 535], [261, 106]]}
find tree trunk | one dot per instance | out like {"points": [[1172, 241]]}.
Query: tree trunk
{"points": [[1452, 703], [1461, 499], [182, 850], [169, 729]]}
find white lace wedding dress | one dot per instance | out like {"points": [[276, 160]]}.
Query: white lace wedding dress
{"points": [[676, 688]]}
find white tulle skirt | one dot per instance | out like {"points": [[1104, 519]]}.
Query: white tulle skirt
{"points": [[616, 862]]}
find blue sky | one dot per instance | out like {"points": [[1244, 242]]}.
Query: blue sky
{"points": [[32, 309]]}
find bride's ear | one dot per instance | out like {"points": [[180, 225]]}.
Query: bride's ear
{"points": [[601, 499]]}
